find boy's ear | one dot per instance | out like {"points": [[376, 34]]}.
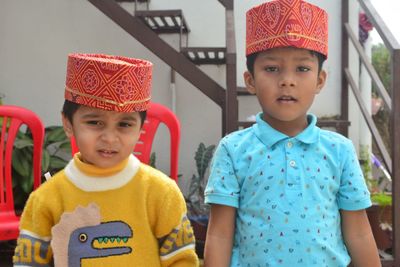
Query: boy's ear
{"points": [[67, 126], [321, 80], [249, 82]]}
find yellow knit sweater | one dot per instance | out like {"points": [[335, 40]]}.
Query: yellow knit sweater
{"points": [[129, 215]]}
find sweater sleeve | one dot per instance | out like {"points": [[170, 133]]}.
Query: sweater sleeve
{"points": [[174, 232], [33, 244]]}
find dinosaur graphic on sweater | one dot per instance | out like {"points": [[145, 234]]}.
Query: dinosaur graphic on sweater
{"points": [[88, 238]]}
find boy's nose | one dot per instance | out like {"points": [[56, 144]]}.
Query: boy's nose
{"points": [[109, 136], [287, 80]]}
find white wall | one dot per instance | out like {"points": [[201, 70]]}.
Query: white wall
{"points": [[37, 35]]}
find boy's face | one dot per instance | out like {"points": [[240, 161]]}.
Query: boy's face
{"points": [[285, 81], [105, 138]]}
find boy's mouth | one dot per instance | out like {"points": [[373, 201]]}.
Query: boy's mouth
{"points": [[286, 99], [107, 153]]}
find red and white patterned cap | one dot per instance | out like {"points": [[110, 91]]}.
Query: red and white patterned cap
{"points": [[109, 82], [284, 23]]}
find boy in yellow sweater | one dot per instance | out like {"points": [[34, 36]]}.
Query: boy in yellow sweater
{"points": [[106, 208]]}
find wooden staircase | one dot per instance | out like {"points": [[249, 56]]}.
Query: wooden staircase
{"points": [[164, 21], [146, 26], [205, 55]]}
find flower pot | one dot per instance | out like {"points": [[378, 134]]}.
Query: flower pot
{"points": [[199, 225], [379, 217]]}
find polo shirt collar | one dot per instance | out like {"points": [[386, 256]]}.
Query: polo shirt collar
{"points": [[269, 136]]}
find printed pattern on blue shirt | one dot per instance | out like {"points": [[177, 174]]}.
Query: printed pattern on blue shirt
{"points": [[288, 192]]}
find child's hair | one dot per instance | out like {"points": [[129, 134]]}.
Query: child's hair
{"points": [[69, 109], [250, 59]]}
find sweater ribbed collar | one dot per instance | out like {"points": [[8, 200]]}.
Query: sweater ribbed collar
{"points": [[92, 179]]}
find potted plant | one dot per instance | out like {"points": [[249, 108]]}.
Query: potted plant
{"points": [[56, 154], [197, 210], [380, 213], [380, 218]]}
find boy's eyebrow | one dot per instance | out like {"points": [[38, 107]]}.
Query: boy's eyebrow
{"points": [[275, 58], [129, 117], [269, 57], [90, 115], [304, 58]]}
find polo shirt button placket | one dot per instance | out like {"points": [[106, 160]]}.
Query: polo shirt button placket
{"points": [[289, 144], [291, 169]]}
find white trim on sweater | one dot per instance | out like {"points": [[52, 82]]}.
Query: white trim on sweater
{"points": [[95, 184], [32, 234]]}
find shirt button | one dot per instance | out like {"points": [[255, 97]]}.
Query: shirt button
{"points": [[292, 163], [289, 144]]}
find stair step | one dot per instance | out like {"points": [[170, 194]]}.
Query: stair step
{"points": [[132, 1], [243, 91], [323, 123], [332, 123], [245, 124], [205, 55], [164, 21]]}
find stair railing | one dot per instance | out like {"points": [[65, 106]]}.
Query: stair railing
{"points": [[392, 103]]}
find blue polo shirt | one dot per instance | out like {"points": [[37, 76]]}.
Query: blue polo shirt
{"points": [[288, 192]]}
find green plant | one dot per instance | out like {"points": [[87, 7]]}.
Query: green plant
{"points": [[381, 60], [56, 154], [378, 195], [366, 167], [195, 196], [382, 199], [152, 161], [379, 214]]}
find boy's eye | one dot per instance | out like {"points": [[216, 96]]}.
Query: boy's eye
{"points": [[93, 122], [271, 69], [303, 69], [125, 124]]}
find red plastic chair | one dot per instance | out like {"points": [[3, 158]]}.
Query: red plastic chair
{"points": [[156, 114], [12, 118]]}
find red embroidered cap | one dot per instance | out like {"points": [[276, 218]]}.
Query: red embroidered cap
{"points": [[109, 82], [283, 23]]}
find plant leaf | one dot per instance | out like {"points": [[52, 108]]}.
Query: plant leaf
{"points": [[27, 183], [57, 163], [381, 199], [24, 136], [193, 187], [203, 157], [54, 134], [45, 160], [22, 143], [152, 161], [21, 162], [198, 157], [66, 146]]}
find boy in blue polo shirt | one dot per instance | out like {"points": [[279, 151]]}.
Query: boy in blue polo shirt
{"points": [[284, 192]]}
